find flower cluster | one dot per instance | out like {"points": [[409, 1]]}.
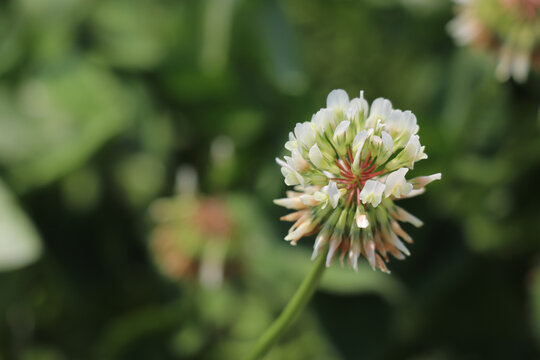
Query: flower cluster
{"points": [[509, 28], [195, 236], [348, 166]]}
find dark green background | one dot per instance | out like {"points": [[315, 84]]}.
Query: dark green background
{"points": [[101, 101]]}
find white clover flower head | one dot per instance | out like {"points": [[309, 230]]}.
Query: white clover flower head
{"points": [[508, 28], [348, 167]]}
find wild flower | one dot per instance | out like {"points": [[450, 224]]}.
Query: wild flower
{"points": [[508, 28], [348, 166], [194, 237]]}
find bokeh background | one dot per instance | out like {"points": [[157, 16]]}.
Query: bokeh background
{"points": [[108, 251]]}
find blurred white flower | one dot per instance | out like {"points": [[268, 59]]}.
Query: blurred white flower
{"points": [[508, 28]]}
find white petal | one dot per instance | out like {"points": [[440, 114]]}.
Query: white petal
{"points": [[323, 119], [309, 200], [333, 194], [303, 229], [362, 221], [334, 244], [337, 99], [387, 141], [395, 183], [316, 156], [360, 139], [341, 128], [380, 108], [305, 134], [422, 181], [290, 203], [372, 192], [299, 163]]}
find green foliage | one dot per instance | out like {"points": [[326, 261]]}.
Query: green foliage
{"points": [[20, 244], [102, 101]]}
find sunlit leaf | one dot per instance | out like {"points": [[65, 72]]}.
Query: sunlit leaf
{"points": [[20, 243], [56, 120]]}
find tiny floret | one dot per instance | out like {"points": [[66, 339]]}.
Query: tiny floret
{"points": [[348, 166]]}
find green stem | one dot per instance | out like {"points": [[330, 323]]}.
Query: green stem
{"points": [[292, 310]]}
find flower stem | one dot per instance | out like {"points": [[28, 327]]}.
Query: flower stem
{"points": [[292, 310]]}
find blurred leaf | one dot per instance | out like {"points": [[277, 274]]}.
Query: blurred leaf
{"points": [[140, 176], [86, 178], [20, 244], [136, 34], [281, 56], [189, 340], [216, 33], [11, 42], [57, 120], [42, 353], [127, 330], [534, 290]]}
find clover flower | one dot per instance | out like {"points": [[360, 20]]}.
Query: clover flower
{"points": [[509, 28], [348, 167], [194, 237]]}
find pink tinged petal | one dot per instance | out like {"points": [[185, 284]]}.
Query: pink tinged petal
{"points": [[394, 240], [309, 200], [362, 221], [342, 257], [403, 215], [303, 229], [399, 231], [395, 252], [290, 203], [291, 194], [369, 249], [379, 245], [381, 265], [354, 253], [299, 222], [292, 216], [299, 163], [412, 193], [393, 244], [334, 244], [422, 181], [320, 242]]}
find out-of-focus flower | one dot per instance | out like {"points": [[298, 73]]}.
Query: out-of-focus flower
{"points": [[194, 237], [348, 166], [509, 28]]}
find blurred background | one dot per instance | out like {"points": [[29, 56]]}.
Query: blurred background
{"points": [[137, 146]]}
